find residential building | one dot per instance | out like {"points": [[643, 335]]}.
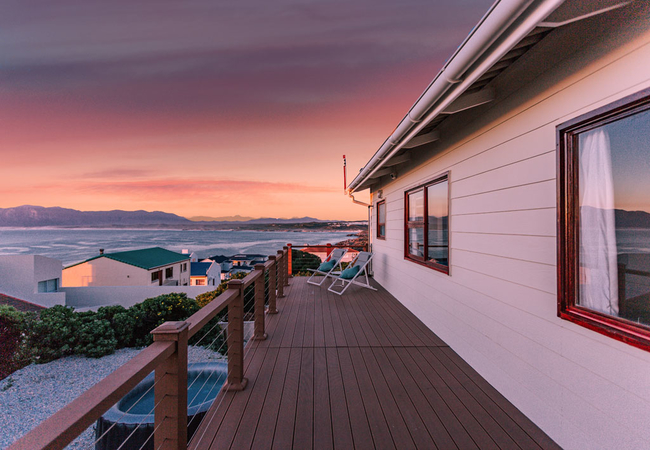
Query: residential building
{"points": [[223, 260], [32, 278], [247, 259], [146, 267], [205, 274], [503, 213]]}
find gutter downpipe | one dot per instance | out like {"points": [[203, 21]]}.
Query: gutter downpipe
{"points": [[492, 27]]}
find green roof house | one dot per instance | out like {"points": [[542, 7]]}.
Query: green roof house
{"points": [[146, 267]]}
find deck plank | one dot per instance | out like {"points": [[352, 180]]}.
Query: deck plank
{"points": [[339, 401], [322, 410], [268, 418], [359, 371], [284, 430]]}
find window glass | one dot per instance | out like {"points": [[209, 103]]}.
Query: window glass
{"points": [[438, 223], [48, 285], [614, 225], [416, 241], [169, 272], [416, 205], [381, 219]]}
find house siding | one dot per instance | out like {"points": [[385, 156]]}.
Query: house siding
{"points": [[498, 306]]}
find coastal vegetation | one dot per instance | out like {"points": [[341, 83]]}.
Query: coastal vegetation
{"points": [[29, 337]]}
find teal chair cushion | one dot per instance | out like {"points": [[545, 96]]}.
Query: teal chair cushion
{"points": [[350, 272], [327, 266]]}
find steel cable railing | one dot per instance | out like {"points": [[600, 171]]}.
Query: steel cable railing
{"points": [[245, 299]]}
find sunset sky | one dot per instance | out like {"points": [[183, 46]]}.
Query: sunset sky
{"points": [[210, 108]]}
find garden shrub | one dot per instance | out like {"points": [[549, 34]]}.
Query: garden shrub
{"points": [[301, 261], [122, 323], [60, 331], [95, 336], [157, 310], [11, 356], [53, 334]]}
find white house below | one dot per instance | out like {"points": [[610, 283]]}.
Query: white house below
{"points": [[147, 267], [33, 278]]}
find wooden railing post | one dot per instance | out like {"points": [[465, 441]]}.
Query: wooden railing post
{"points": [[273, 309], [287, 273], [289, 263], [235, 333], [170, 391], [280, 271], [259, 334]]}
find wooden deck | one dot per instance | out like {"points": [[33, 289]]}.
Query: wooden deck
{"points": [[359, 371]]}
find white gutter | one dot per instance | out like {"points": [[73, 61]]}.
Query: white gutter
{"points": [[456, 76]]}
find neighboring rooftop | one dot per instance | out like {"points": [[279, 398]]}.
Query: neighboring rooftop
{"points": [[248, 256], [219, 258], [199, 269], [146, 258], [20, 305]]}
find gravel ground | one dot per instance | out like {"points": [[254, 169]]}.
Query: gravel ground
{"points": [[32, 394]]}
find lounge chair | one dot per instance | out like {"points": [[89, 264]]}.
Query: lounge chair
{"points": [[349, 276], [329, 267]]}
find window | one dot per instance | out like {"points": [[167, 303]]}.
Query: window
{"points": [[426, 231], [169, 272], [199, 282], [183, 267], [604, 220], [48, 285], [155, 276], [381, 219]]}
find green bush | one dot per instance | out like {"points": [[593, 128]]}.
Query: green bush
{"points": [[53, 334], [301, 261], [207, 297], [157, 310], [95, 336], [11, 341], [122, 323]]}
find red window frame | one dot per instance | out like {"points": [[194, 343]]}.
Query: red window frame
{"points": [[379, 224], [422, 260], [568, 222]]}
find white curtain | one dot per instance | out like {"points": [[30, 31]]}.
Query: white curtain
{"points": [[598, 262]]}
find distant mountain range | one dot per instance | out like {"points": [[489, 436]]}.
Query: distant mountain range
{"points": [[39, 216], [236, 218], [632, 219]]}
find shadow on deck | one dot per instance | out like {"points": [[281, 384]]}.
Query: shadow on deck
{"points": [[359, 371]]}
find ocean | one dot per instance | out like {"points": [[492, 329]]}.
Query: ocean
{"points": [[71, 245]]}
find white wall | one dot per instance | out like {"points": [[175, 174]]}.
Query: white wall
{"points": [[92, 297], [20, 274], [108, 272], [497, 308]]}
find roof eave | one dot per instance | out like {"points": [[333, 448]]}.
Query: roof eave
{"points": [[502, 28]]}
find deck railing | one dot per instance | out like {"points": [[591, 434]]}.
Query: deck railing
{"points": [[167, 356]]}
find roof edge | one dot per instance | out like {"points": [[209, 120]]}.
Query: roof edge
{"points": [[458, 73]]}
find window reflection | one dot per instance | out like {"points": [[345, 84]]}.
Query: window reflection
{"points": [[614, 199]]}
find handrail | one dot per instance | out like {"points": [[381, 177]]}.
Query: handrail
{"points": [[168, 357], [200, 318], [64, 426], [326, 246]]}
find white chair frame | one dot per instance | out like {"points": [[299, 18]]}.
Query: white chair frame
{"points": [[338, 254], [347, 283]]}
